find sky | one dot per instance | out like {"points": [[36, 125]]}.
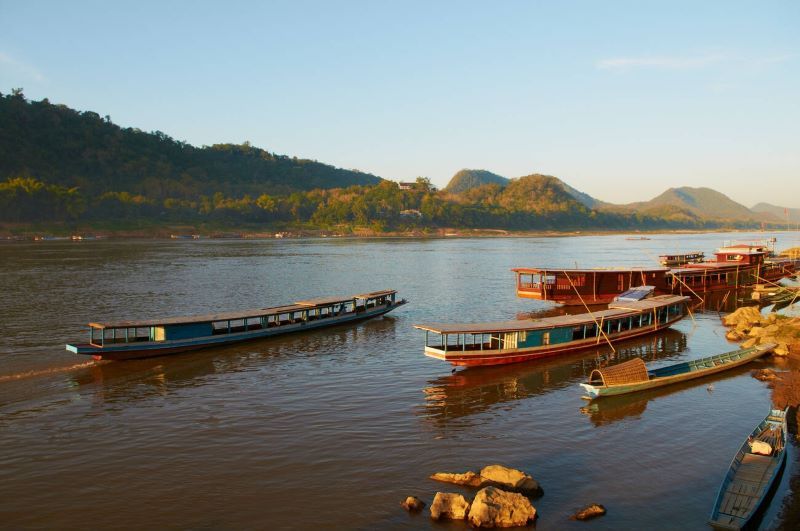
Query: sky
{"points": [[621, 100]]}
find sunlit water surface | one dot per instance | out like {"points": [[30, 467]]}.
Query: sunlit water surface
{"points": [[333, 428]]}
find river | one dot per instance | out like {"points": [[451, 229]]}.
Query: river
{"points": [[334, 428]]}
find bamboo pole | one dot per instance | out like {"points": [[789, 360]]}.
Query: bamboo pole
{"points": [[599, 326]]}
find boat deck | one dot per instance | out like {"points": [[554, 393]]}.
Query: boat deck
{"points": [[746, 490]]}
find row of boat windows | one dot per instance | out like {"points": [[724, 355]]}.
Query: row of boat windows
{"points": [[161, 333], [511, 340], [579, 280]]}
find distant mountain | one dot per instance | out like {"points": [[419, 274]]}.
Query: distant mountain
{"points": [[700, 203], [778, 212], [585, 199], [61, 146], [465, 180]]}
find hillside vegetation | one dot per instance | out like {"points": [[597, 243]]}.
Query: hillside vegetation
{"points": [[61, 167]]}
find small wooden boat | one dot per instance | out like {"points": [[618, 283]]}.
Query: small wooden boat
{"points": [[632, 375], [671, 260], [474, 344], [752, 474], [140, 339]]}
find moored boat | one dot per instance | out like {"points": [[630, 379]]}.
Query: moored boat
{"points": [[585, 286], [632, 376], [145, 338], [733, 267], [671, 260], [496, 343], [752, 474]]}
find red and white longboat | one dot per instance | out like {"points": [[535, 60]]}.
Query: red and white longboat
{"points": [[504, 342]]}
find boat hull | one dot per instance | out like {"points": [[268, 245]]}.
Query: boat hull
{"points": [[128, 351], [502, 357], [750, 481], [595, 391]]}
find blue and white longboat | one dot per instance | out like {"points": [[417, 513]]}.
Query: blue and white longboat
{"points": [[122, 340]]}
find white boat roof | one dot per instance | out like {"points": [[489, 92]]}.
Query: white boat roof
{"points": [[615, 309], [241, 314]]}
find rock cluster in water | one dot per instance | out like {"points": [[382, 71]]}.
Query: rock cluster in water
{"points": [[502, 501], [412, 504], [749, 326]]}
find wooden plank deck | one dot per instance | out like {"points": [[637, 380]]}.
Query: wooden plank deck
{"points": [[746, 489]]}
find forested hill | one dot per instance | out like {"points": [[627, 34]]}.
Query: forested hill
{"points": [[61, 146]]}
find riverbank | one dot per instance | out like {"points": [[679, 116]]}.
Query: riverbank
{"points": [[17, 232]]}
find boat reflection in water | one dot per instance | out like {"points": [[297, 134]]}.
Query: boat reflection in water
{"points": [[613, 408], [477, 390], [145, 378]]}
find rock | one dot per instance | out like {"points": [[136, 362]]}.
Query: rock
{"points": [[469, 478], [413, 504], [510, 479], [733, 335], [756, 331], [590, 511], [449, 505], [744, 315], [771, 329], [753, 341], [765, 375], [772, 317], [493, 507], [781, 350]]}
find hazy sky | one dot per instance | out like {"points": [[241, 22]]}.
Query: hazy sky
{"points": [[620, 99]]}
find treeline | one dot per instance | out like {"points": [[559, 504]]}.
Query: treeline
{"points": [[62, 146], [58, 165], [532, 203]]}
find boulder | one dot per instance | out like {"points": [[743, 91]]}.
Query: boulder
{"points": [[765, 375], [781, 350], [590, 511], [493, 507], [510, 479], [449, 505], [756, 331], [469, 478], [412, 504], [753, 341], [734, 335], [744, 315]]}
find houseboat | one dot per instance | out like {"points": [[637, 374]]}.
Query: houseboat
{"points": [[475, 344], [733, 267], [672, 260], [585, 286], [122, 340]]}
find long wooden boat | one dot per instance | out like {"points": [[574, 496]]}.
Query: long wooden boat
{"points": [[475, 344], [671, 260], [585, 286], [751, 476], [632, 375], [140, 339], [733, 267]]}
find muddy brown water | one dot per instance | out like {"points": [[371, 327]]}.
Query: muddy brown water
{"points": [[333, 428]]}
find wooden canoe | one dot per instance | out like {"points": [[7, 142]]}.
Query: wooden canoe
{"points": [[751, 476], [632, 376]]}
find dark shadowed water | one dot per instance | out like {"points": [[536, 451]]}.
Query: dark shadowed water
{"points": [[332, 429]]}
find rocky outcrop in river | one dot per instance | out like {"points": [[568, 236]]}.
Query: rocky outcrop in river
{"points": [[508, 479], [493, 507]]}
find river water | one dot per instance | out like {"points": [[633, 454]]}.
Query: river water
{"points": [[333, 428]]}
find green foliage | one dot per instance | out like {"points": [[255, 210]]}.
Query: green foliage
{"points": [[61, 165]]}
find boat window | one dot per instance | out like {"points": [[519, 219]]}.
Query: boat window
{"points": [[577, 333], [590, 330]]}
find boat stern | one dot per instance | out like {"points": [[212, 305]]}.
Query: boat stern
{"points": [[591, 390]]}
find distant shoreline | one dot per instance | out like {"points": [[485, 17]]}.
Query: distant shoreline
{"points": [[191, 233]]}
